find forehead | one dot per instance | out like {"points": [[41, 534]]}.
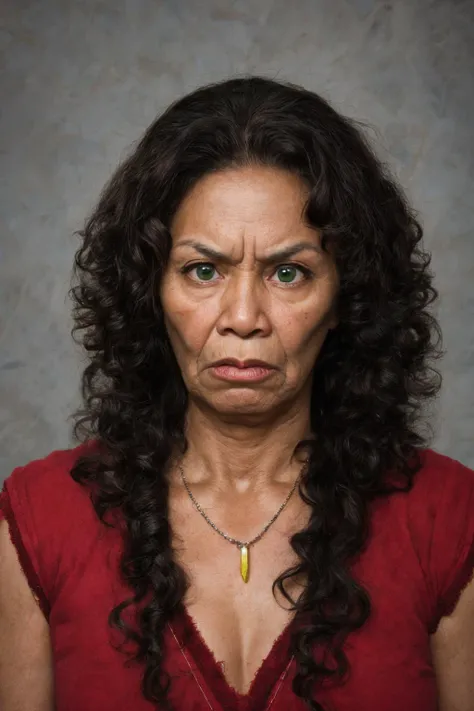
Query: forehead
{"points": [[251, 201]]}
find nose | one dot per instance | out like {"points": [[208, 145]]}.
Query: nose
{"points": [[243, 307]]}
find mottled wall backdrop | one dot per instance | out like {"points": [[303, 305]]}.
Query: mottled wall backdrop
{"points": [[80, 80]]}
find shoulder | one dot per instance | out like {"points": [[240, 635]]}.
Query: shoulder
{"points": [[45, 481], [47, 514], [426, 534], [44, 485], [442, 493], [439, 516], [439, 482], [43, 498], [442, 471], [50, 465]]}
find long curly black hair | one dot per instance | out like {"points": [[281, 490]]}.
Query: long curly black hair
{"points": [[371, 378]]}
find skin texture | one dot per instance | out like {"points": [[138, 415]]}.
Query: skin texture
{"points": [[26, 664], [241, 437], [247, 311], [452, 648]]}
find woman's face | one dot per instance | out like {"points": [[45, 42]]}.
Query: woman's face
{"points": [[247, 279]]}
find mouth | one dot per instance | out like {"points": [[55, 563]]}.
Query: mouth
{"points": [[242, 371], [242, 364]]}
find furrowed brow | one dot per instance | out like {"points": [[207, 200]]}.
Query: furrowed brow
{"points": [[274, 258]]}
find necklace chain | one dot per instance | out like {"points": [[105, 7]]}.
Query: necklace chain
{"points": [[235, 541]]}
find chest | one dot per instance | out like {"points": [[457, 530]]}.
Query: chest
{"points": [[239, 622], [389, 657]]}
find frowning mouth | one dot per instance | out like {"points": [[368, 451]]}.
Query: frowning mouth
{"points": [[252, 370], [249, 363]]}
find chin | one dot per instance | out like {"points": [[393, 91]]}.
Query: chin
{"points": [[243, 402]]}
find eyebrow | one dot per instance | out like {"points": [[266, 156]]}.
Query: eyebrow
{"points": [[277, 256]]}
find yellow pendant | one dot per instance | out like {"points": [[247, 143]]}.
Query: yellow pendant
{"points": [[244, 563]]}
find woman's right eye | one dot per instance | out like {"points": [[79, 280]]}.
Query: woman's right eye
{"points": [[204, 271]]}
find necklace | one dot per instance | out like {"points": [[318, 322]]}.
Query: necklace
{"points": [[242, 545]]}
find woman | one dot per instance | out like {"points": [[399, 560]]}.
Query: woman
{"points": [[252, 501]]}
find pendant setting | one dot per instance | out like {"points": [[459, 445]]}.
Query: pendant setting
{"points": [[243, 547], [244, 563]]}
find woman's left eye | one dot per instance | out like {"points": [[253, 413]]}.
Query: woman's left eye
{"points": [[288, 274]]}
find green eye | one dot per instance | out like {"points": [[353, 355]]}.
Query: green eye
{"points": [[205, 272], [287, 274]]}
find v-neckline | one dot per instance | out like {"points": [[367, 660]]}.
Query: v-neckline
{"points": [[272, 668]]}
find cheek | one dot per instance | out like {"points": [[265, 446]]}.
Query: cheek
{"points": [[302, 335], [187, 325], [295, 327]]}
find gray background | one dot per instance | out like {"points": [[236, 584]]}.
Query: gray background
{"points": [[81, 80]]}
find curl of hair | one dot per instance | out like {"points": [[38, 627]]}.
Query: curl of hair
{"points": [[371, 378]]}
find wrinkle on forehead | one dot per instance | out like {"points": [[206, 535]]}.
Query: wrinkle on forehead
{"points": [[244, 247], [240, 209]]}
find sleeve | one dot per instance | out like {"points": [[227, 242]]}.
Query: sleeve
{"points": [[450, 550], [48, 514], [25, 558]]}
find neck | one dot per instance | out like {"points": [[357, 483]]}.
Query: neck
{"points": [[231, 455]]}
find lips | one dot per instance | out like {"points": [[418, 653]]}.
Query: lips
{"points": [[251, 363]]}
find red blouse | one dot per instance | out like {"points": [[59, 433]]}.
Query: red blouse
{"points": [[419, 558]]}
